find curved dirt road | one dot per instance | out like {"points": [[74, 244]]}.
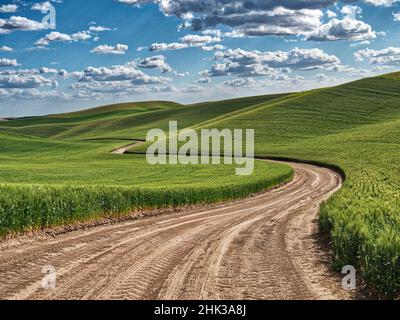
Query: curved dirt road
{"points": [[263, 247]]}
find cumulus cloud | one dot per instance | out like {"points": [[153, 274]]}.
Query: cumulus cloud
{"points": [[360, 43], [167, 46], [346, 29], [32, 83], [42, 6], [98, 29], [80, 36], [107, 49], [381, 3], [244, 63], [187, 41], [193, 89], [180, 74], [56, 36], [85, 89], [53, 37], [156, 62], [213, 48], [6, 49], [103, 87], [330, 14], [242, 82], [389, 56], [25, 81], [20, 23], [120, 73], [197, 40], [275, 17], [24, 72], [33, 94], [278, 80], [204, 80], [8, 62], [321, 77], [8, 8]]}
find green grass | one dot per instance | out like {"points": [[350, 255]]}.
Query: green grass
{"points": [[353, 126], [50, 181], [26, 207]]}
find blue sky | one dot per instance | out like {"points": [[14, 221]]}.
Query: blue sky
{"points": [[108, 51]]}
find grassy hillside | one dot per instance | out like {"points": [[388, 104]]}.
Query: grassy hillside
{"points": [[49, 179]]}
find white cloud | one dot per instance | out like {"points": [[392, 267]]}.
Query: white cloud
{"points": [[196, 40], [45, 70], [53, 36], [8, 62], [180, 74], [361, 43], [204, 80], [120, 73], [6, 49], [80, 36], [42, 6], [187, 41], [213, 48], [156, 62], [242, 82], [321, 77], [275, 17], [351, 11], [32, 94], [167, 46], [8, 8], [389, 56], [244, 63], [193, 89], [20, 23], [330, 14], [35, 71], [346, 29], [118, 49], [98, 29], [56, 36], [85, 89], [25, 81], [381, 3]]}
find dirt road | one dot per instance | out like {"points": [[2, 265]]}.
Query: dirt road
{"points": [[263, 247], [124, 149]]}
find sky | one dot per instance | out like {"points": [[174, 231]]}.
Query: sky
{"points": [[67, 55]]}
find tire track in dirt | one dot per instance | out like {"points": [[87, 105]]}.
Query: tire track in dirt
{"points": [[264, 247]]}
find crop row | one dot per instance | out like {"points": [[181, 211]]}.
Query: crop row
{"points": [[26, 208]]}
